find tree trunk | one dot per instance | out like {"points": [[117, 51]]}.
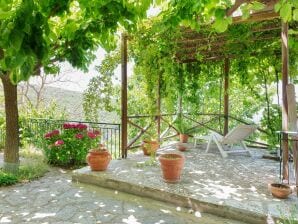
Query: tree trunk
{"points": [[11, 149]]}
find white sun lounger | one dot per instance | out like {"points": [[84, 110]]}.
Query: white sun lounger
{"points": [[235, 136]]}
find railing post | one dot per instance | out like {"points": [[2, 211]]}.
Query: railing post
{"points": [[124, 95], [226, 95], [158, 108]]}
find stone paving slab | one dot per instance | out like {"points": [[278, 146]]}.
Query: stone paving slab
{"points": [[234, 187], [55, 199]]}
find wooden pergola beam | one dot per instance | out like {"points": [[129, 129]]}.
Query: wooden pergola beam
{"points": [[221, 42], [256, 17]]}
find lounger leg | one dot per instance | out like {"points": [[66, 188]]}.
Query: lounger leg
{"points": [[195, 143], [221, 149], [244, 146], [209, 143]]}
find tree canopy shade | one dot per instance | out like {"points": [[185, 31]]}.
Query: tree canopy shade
{"points": [[38, 34]]}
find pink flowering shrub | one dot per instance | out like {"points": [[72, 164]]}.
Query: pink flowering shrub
{"points": [[70, 145]]}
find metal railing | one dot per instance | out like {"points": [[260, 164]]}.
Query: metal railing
{"points": [[33, 130]]}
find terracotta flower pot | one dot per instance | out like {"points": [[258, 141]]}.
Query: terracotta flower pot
{"points": [[98, 160], [181, 146], [183, 138], [171, 165], [149, 147], [280, 190]]}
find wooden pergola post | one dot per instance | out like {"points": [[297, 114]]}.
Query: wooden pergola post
{"points": [[285, 81], [124, 119], [158, 108], [226, 95], [180, 92]]}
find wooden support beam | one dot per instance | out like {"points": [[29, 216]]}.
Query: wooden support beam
{"points": [[226, 95], [124, 96], [285, 81], [135, 125]]}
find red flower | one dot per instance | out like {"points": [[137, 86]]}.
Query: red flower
{"points": [[66, 125], [79, 136], [48, 135], [91, 135], [55, 132], [97, 132], [59, 142], [81, 126]]}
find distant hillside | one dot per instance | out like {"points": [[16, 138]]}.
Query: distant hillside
{"points": [[71, 101]]}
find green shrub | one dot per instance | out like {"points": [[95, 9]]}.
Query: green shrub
{"points": [[69, 146], [7, 179]]}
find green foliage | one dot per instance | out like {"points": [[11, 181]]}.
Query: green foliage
{"points": [[38, 33], [29, 132], [183, 126], [7, 179], [99, 94], [69, 146], [271, 124]]}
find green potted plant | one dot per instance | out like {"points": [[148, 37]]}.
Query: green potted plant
{"points": [[183, 129], [149, 144]]}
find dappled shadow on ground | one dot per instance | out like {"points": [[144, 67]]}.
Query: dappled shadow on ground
{"points": [[238, 181], [55, 199]]}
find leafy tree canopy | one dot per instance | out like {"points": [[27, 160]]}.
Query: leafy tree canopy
{"points": [[39, 33]]}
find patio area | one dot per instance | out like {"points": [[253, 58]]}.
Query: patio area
{"points": [[233, 187]]}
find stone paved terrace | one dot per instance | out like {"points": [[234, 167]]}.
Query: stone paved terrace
{"points": [[234, 187], [55, 199]]}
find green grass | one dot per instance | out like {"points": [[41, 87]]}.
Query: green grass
{"points": [[33, 167]]}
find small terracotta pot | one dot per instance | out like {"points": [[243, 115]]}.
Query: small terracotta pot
{"points": [[98, 160], [171, 166], [183, 138], [280, 190], [149, 147], [181, 146]]}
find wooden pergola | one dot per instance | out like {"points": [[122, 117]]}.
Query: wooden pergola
{"points": [[193, 42]]}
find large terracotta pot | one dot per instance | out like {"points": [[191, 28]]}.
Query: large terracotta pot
{"points": [[98, 160], [149, 147], [280, 190], [171, 165], [183, 138]]}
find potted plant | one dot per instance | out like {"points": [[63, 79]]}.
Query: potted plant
{"points": [[183, 129], [98, 158], [171, 166], [280, 190], [149, 145]]}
